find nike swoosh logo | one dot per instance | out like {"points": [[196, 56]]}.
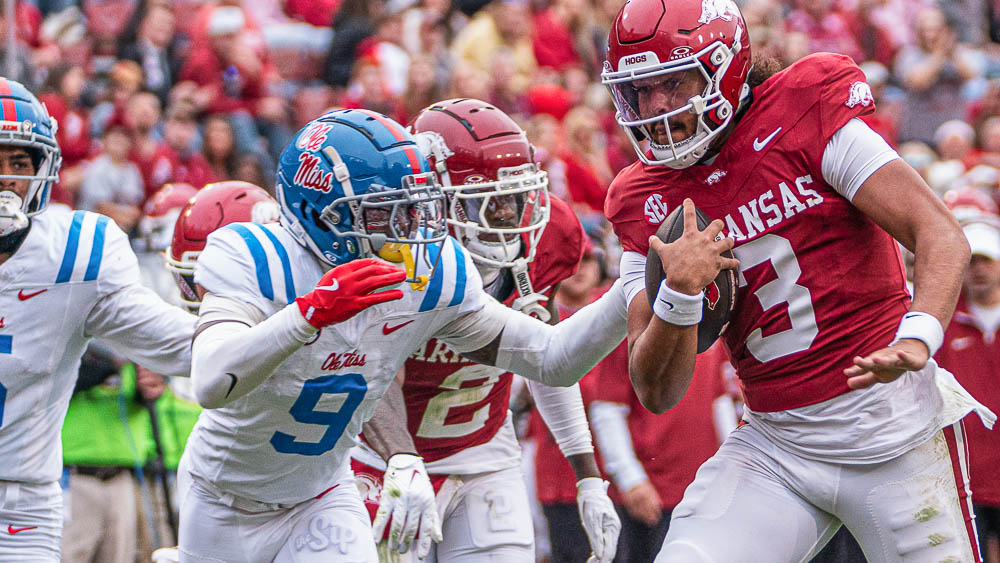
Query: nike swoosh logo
{"points": [[12, 530], [668, 304], [386, 329], [25, 296], [231, 385], [758, 145]]}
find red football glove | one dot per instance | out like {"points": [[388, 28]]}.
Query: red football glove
{"points": [[349, 289]]}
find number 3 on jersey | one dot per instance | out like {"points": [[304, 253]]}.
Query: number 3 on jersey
{"points": [[304, 411], [783, 289]]}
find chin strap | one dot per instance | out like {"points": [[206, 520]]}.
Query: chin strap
{"points": [[400, 253], [528, 301]]}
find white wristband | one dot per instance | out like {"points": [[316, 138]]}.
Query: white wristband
{"points": [[678, 308], [923, 327]]}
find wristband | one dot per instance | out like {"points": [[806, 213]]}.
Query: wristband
{"points": [[923, 327], [678, 308]]}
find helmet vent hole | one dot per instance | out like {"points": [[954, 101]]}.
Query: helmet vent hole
{"points": [[474, 110], [241, 196]]}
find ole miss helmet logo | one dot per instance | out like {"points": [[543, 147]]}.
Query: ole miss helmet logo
{"points": [[712, 295]]}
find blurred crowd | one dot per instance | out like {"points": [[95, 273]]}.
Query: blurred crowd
{"points": [[156, 92], [149, 92]]}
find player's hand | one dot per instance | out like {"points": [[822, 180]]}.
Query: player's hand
{"points": [[599, 519], [885, 365], [349, 289], [408, 497], [695, 259], [643, 503]]}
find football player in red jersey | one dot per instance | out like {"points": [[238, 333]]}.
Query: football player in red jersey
{"points": [[849, 421], [524, 242], [213, 207]]}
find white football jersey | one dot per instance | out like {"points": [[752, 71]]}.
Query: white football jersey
{"points": [[287, 440], [74, 277]]}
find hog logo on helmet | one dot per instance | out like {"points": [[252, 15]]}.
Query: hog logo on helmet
{"points": [[712, 10], [712, 295], [861, 93]]}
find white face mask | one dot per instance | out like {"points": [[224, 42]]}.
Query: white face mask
{"points": [[12, 218], [496, 252]]}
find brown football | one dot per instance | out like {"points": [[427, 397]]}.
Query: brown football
{"points": [[720, 295]]}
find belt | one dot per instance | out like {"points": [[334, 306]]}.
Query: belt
{"points": [[104, 473]]}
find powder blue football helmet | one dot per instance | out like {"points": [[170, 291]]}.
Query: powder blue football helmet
{"points": [[25, 122], [353, 183]]}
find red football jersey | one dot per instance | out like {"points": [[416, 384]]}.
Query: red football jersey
{"points": [[819, 282], [974, 358], [452, 403], [673, 445]]}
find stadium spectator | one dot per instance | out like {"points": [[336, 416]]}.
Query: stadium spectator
{"points": [[112, 184], [219, 146], [504, 24], [61, 94], [149, 40], [933, 72], [972, 353], [174, 159], [354, 22], [825, 27]]}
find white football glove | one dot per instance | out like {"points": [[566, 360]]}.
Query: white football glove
{"points": [[597, 513], [408, 497], [12, 219]]}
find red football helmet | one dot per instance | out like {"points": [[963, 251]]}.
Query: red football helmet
{"points": [[677, 46], [214, 206], [497, 194], [160, 213]]}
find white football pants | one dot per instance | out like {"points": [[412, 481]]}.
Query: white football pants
{"points": [[754, 502]]}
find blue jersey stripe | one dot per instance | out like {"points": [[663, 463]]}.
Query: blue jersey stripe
{"points": [[285, 264], [459, 294], [259, 259], [69, 256], [6, 345], [97, 250], [434, 289]]}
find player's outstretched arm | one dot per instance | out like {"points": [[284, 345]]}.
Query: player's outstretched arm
{"points": [[899, 201], [236, 349], [663, 346], [558, 355], [407, 498]]}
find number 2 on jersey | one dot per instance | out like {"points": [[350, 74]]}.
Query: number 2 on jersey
{"points": [[304, 411], [783, 289]]}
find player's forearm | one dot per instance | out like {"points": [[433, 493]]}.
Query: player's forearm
{"points": [[560, 355], [661, 361], [941, 257], [230, 358], [611, 432], [562, 410], [386, 431]]}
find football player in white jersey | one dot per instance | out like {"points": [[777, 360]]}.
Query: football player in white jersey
{"points": [[65, 277], [290, 356], [499, 209]]}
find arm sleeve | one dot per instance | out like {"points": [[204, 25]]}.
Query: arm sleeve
{"points": [[632, 269], [853, 154], [132, 319], [562, 410], [610, 422], [238, 349], [560, 355]]}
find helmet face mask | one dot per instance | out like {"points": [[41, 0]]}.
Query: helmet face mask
{"points": [[498, 202], [490, 217]]}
